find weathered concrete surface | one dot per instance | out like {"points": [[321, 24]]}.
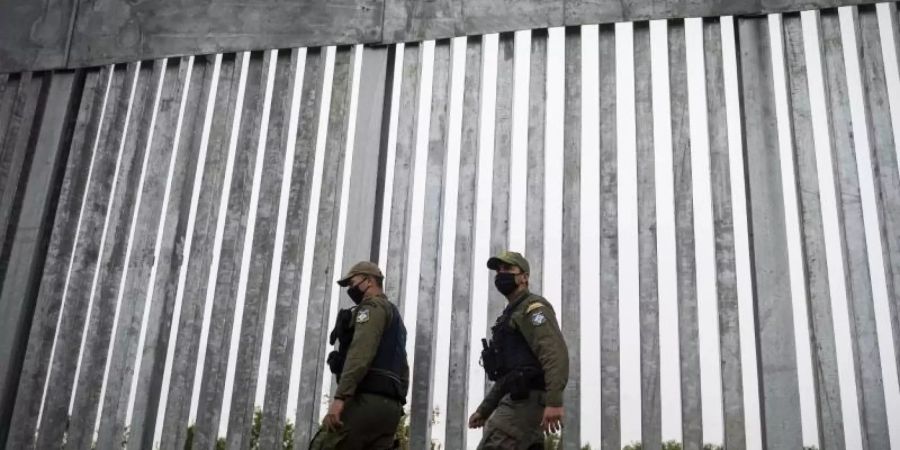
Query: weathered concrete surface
{"points": [[206, 197], [723, 222], [233, 238], [422, 386], [686, 265], [648, 296], [35, 35], [609, 244], [292, 259], [43, 186], [116, 30], [463, 269], [779, 389], [570, 313], [404, 168], [831, 428], [311, 389]]}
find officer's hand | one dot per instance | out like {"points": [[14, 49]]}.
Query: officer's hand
{"points": [[476, 420], [552, 421], [333, 419]]}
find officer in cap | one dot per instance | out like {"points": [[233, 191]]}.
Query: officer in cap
{"points": [[370, 366], [528, 362]]}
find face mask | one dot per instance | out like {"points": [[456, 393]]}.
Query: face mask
{"points": [[355, 293], [506, 283]]}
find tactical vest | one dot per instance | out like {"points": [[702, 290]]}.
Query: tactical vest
{"points": [[508, 358], [385, 373]]}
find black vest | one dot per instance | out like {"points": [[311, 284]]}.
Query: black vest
{"points": [[385, 375], [508, 358]]}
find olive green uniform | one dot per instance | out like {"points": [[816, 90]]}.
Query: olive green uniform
{"points": [[370, 420], [516, 424]]}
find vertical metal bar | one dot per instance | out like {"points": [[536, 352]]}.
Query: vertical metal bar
{"points": [[429, 275], [59, 255], [825, 371], [107, 275], [609, 243], [405, 162], [460, 330], [4, 86], [17, 112], [571, 233], [41, 190], [76, 288], [323, 261], [537, 115], [271, 143], [16, 153], [292, 260], [8, 93], [884, 157], [227, 278], [688, 325], [651, 409], [893, 19], [215, 119], [501, 163], [117, 369], [723, 221], [370, 120], [386, 153], [779, 390]]}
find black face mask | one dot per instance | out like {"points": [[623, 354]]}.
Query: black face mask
{"points": [[355, 293], [506, 283]]}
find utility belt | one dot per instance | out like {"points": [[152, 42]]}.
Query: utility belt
{"points": [[518, 382], [383, 383]]}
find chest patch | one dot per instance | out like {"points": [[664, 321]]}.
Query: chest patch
{"points": [[362, 316], [538, 319]]}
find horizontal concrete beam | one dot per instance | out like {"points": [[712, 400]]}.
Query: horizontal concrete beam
{"points": [[54, 34]]}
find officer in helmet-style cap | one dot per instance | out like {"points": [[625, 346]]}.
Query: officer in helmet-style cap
{"points": [[528, 361], [370, 367]]}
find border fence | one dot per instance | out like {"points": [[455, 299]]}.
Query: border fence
{"points": [[712, 206]]}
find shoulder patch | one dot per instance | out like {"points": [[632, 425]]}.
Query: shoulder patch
{"points": [[538, 319], [362, 316], [532, 307]]}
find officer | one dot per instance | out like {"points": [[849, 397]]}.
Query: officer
{"points": [[370, 366], [528, 362]]}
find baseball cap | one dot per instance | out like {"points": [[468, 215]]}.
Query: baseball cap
{"points": [[360, 268], [511, 258]]}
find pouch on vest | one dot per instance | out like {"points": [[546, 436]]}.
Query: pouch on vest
{"points": [[343, 335], [490, 360]]}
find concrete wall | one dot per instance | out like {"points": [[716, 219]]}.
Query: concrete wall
{"points": [[54, 34]]}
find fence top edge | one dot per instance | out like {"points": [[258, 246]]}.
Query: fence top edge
{"points": [[426, 29]]}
